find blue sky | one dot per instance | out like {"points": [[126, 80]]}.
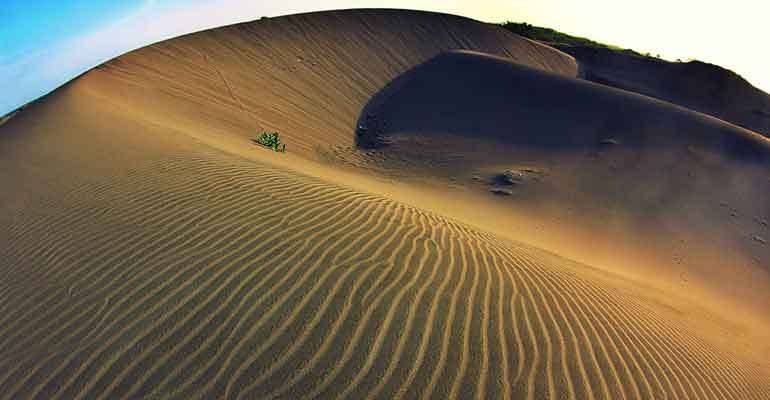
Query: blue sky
{"points": [[30, 26], [33, 31], [44, 43]]}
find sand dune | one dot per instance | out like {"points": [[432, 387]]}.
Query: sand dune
{"points": [[232, 278], [151, 251], [647, 171], [697, 85], [295, 74]]}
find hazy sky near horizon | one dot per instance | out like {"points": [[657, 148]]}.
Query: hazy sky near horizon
{"points": [[44, 43]]}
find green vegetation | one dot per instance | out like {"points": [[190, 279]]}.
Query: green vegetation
{"points": [[271, 140], [553, 36]]}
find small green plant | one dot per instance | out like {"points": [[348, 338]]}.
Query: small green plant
{"points": [[552, 36], [549, 35], [271, 140]]}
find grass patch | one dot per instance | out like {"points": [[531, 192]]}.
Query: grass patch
{"points": [[271, 140], [552, 36]]}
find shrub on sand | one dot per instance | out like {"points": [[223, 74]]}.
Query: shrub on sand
{"points": [[271, 140]]}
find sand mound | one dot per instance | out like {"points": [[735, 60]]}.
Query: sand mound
{"points": [[306, 76], [700, 86], [486, 97], [150, 250]]}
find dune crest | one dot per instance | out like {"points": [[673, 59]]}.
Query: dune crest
{"points": [[306, 75]]}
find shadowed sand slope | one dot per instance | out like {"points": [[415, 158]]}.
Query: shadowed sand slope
{"points": [[507, 101], [700, 86], [149, 251]]}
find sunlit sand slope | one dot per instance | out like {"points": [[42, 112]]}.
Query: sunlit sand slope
{"points": [[201, 275]]}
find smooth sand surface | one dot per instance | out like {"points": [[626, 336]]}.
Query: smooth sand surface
{"points": [[151, 250]]}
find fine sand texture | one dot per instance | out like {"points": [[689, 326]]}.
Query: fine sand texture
{"points": [[148, 249]]}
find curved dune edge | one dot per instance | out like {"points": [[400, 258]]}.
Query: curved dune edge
{"points": [[143, 262]]}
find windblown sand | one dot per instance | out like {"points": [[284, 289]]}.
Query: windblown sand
{"points": [[150, 250]]}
